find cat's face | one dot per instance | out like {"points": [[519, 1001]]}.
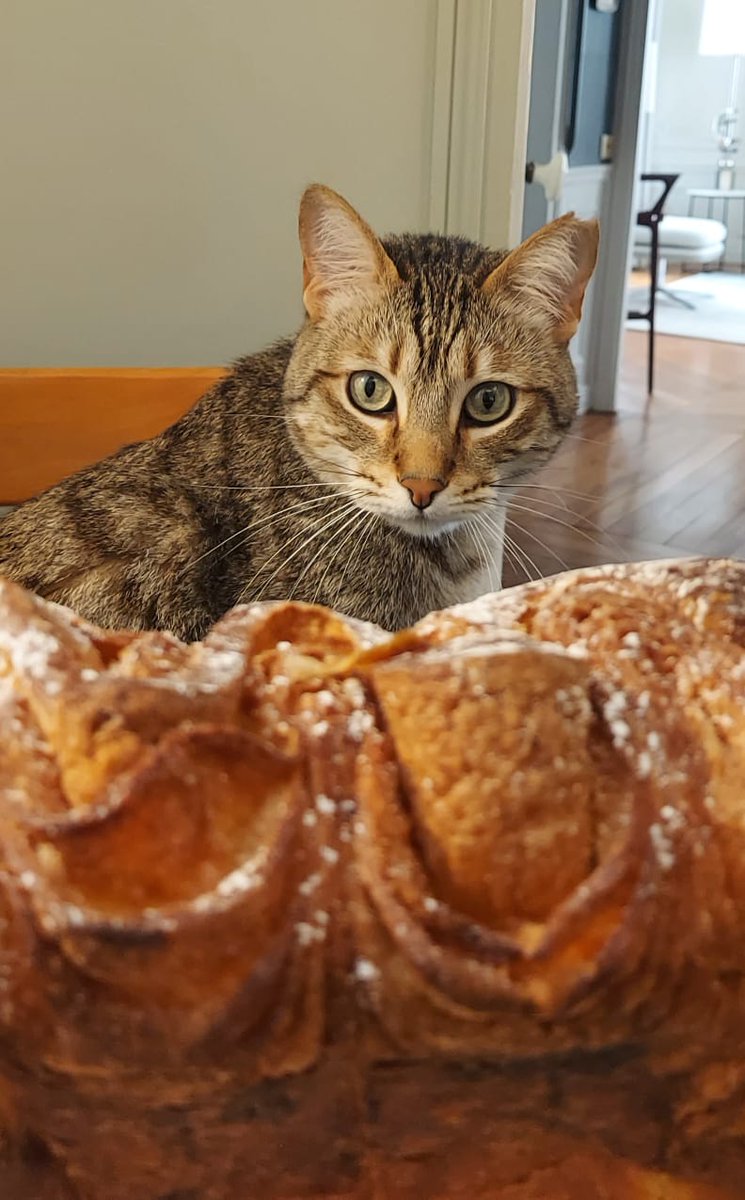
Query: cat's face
{"points": [[432, 373]]}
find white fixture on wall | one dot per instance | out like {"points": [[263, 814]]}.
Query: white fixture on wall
{"points": [[723, 35], [550, 175]]}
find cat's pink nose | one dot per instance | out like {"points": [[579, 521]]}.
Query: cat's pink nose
{"points": [[422, 491]]}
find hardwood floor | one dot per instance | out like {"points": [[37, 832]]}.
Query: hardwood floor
{"points": [[662, 478]]}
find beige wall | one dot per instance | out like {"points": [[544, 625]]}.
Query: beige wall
{"points": [[155, 151]]}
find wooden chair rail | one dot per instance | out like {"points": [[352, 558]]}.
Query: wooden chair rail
{"points": [[55, 420]]}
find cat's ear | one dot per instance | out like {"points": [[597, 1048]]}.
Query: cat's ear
{"points": [[343, 260], [548, 273]]}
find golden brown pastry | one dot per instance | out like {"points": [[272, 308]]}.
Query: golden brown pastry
{"points": [[305, 910]]}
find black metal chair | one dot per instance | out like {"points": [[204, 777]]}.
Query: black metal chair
{"points": [[651, 217]]}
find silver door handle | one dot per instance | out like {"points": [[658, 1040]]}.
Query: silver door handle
{"points": [[549, 175]]}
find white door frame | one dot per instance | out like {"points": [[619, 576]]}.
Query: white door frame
{"points": [[481, 108], [483, 55], [611, 286]]}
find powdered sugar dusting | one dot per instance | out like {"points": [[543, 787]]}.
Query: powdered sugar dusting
{"points": [[663, 847], [31, 650], [310, 884], [308, 933], [365, 971], [359, 722], [670, 822], [644, 765], [572, 702], [243, 878]]}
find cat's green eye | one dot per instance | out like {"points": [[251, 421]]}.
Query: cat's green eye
{"points": [[488, 403], [371, 393]]}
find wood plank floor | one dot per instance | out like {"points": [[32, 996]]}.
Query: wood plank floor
{"points": [[661, 478]]}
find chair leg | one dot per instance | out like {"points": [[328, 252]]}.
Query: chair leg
{"points": [[654, 266], [660, 283]]}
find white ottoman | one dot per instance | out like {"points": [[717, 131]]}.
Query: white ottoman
{"points": [[682, 239]]}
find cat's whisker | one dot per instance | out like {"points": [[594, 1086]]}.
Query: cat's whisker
{"points": [[609, 542], [537, 572], [481, 546], [555, 489], [579, 517], [483, 542], [500, 533], [334, 559], [577, 437], [316, 502], [275, 519], [326, 526], [453, 541], [522, 555], [333, 556], [529, 534], [353, 521], [559, 502], [212, 550], [264, 487], [253, 526], [523, 559], [509, 555], [365, 535], [355, 517], [338, 528], [329, 464], [314, 523]]}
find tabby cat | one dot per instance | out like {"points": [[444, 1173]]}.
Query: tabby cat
{"points": [[364, 464]]}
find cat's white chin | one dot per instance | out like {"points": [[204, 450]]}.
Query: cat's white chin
{"points": [[424, 526]]}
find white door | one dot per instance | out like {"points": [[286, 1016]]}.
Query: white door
{"points": [[586, 88], [489, 104]]}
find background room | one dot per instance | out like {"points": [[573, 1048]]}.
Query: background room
{"points": [[663, 476]]}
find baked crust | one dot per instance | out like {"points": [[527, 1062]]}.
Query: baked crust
{"points": [[307, 910]]}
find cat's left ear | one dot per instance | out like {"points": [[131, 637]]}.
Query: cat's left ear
{"points": [[548, 274], [343, 260]]}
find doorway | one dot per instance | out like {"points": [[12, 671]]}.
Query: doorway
{"points": [[586, 89], [637, 478], [691, 134]]}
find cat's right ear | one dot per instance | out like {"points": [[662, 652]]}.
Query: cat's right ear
{"points": [[343, 261]]}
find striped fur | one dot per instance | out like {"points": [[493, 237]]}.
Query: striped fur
{"points": [[274, 485]]}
